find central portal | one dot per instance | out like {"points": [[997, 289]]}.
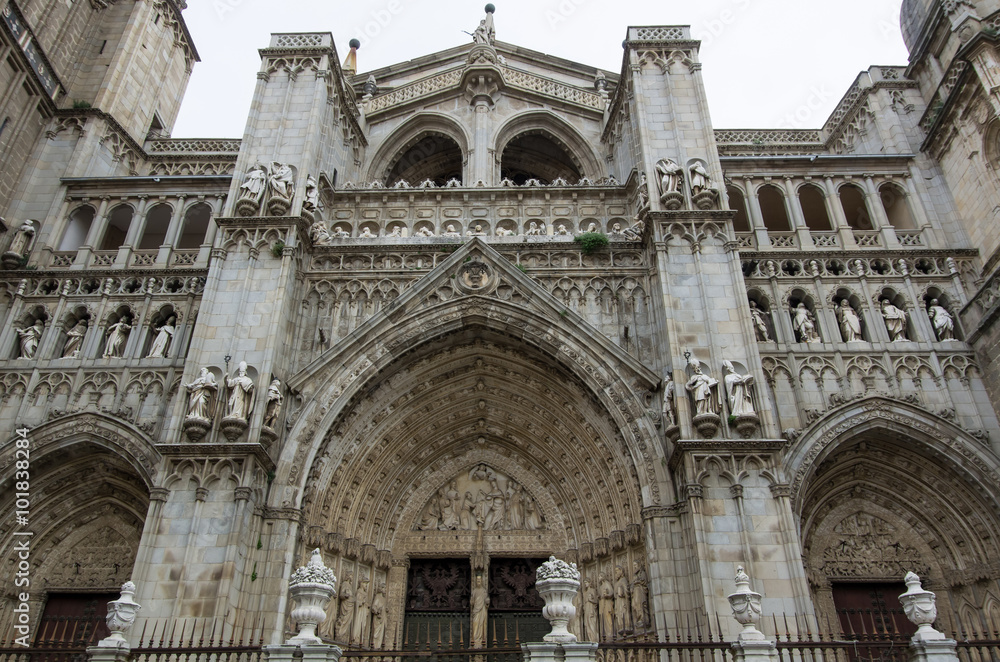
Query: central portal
{"points": [[451, 606]]}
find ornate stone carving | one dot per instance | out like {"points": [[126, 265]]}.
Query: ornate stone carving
{"points": [[121, 615], [849, 321], [311, 586], [483, 498], [704, 393], [746, 606], [739, 394], [671, 178], [895, 321], [118, 334], [163, 335], [29, 338], [558, 583], [942, 321], [201, 403]]}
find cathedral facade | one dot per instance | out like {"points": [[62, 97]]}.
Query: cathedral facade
{"points": [[447, 318]]}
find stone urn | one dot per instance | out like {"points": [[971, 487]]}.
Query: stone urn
{"points": [[707, 424], [121, 616], [558, 582], [746, 607], [672, 200], [247, 207], [278, 206], [920, 607], [311, 588], [196, 428], [746, 424], [705, 199], [233, 427]]}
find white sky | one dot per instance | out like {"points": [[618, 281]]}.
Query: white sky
{"points": [[767, 63]]}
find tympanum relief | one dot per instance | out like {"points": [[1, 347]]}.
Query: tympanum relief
{"points": [[482, 497]]}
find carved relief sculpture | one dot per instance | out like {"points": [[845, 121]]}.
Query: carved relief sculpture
{"points": [[849, 321], [640, 597], [942, 320], [895, 321], [607, 606], [117, 337], [484, 498], [161, 342], [591, 625], [319, 234], [759, 320], [29, 338], [671, 176], [359, 633], [378, 617], [804, 323], [74, 340]]}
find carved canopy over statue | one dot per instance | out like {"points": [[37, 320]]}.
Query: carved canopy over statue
{"points": [[483, 497]]}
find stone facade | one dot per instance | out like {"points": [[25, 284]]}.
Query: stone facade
{"points": [[375, 327]]}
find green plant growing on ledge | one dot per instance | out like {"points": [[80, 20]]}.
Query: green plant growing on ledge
{"points": [[79, 104], [591, 242], [278, 248]]}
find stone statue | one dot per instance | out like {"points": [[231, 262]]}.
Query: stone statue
{"points": [[850, 322], [273, 407], [255, 183], [759, 323], [202, 391], [397, 231], [319, 234], [532, 520], [670, 176], [606, 605], [29, 338], [345, 620], [703, 389], [478, 603], [592, 631], [359, 633], [804, 323], [366, 233], [895, 321], [616, 230], [700, 180], [942, 320], [561, 229], [669, 409], [378, 617], [534, 229], [481, 34], [623, 602], [450, 231], [592, 228], [640, 596], [241, 390], [312, 194], [281, 180], [117, 336], [74, 340], [22, 239], [161, 342], [738, 391]]}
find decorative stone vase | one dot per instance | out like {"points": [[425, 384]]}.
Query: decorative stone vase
{"points": [[233, 428], [707, 424], [196, 428], [121, 616], [920, 607], [705, 199], [311, 588], [746, 607], [746, 425], [558, 583], [672, 200]]}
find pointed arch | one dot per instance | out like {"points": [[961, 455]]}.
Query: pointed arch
{"points": [[552, 127], [409, 134]]}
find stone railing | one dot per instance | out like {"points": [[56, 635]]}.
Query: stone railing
{"points": [[553, 88], [659, 33], [845, 107], [193, 146], [415, 90], [766, 136], [300, 40]]}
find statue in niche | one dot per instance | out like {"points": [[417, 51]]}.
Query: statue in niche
{"points": [[850, 322], [345, 620], [895, 321], [254, 184], [534, 230], [424, 232], [117, 337], [483, 498], [281, 180], [669, 410], [616, 230], [359, 633], [477, 231], [607, 605], [366, 233], [74, 340], [738, 391], [273, 407], [640, 596], [241, 390], [561, 229], [642, 199], [623, 602], [161, 342], [202, 391], [703, 389], [319, 234], [29, 338], [592, 228], [397, 231], [804, 323], [591, 625], [670, 174], [700, 179], [311, 202], [759, 323], [942, 320], [479, 600], [22, 239], [378, 617]]}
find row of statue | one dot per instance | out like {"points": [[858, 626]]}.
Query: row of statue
{"points": [[239, 405], [267, 188], [482, 498], [670, 180], [114, 344], [321, 235], [703, 391], [849, 322], [613, 608], [558, 182], [361, 614]]}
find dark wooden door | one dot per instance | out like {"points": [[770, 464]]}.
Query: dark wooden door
{"points": [[73, 620]]}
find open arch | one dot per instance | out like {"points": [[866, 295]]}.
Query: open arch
{"points": [[423, 147], [541, 137]]}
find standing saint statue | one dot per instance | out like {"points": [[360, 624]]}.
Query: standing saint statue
{"points": [[378, 617], [281, 180], [161, 342], [944, 323], [273, 407], [850, 322], [670, 176], [202, 390], [640, 596], [478, 602], [759, 323], [623, 602], [345, 620], [74, 340], [700, 179], [359, 634], [117, 336], [29, 338], [255, 182], [804, 323], [895, 321], [669, 409], [738, 391], [312, 194], [607, 606], [591, 627], [240, 394], [22, 238], [702, 389]]}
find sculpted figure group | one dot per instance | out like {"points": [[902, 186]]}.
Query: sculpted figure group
{"points": [[239, 405], [484, 499], [616, 605]]}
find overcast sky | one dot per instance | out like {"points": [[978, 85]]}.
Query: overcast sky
{"points": [[767, 63]]}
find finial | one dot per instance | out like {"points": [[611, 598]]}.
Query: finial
{"points": [[490, 8], [351, 61]]}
